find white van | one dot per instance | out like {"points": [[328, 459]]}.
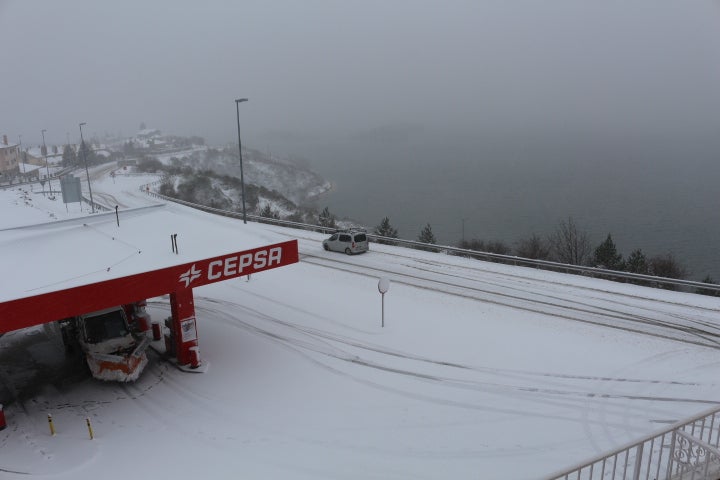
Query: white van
{"points": [[349, 241]]}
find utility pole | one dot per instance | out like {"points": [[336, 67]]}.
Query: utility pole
{"points": [[47, 168], [242, 178], [87, 173], [22, 157]]}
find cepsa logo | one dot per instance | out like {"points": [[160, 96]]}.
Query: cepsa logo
{"points": [[234, 266]]}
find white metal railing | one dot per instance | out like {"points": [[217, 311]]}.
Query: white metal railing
{"points": [[494, 257], [686, 451]]}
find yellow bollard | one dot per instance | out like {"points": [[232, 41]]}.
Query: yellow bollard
{"points": [[52, 427], [90, 430]]}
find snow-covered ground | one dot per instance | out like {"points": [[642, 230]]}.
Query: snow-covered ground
{"points": [[481, 371]]}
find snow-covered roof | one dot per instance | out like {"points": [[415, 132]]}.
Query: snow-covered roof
{"points": [[34, 151], [94, 248], [148, 132]]}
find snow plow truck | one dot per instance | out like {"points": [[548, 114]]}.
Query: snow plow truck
{"points": [[113, 347]]}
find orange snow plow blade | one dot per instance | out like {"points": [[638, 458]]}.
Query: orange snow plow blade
{"points": [[118, 368]]}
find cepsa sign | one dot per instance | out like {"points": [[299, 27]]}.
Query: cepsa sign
{"points": [[238, 264], [58, 304], [232, 266]]}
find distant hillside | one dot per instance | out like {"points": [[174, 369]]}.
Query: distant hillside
{"points": [[276, 187], [297, 183]]}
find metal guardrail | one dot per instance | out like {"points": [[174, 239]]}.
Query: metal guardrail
{"points": [[98, 207], [686, 451], [494, 257], [55, 176]]}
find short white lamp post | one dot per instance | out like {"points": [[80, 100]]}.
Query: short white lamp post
{"points": [[383, 287]]}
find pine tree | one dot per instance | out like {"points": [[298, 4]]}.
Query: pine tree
{"points": [[69, 157], [327, 219], [86, 154], [386, 230], [606, 255], [129, 148], [637, 263], [268, 212], [427, 236]]}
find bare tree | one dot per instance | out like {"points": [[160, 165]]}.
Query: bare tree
{"points": [[666, 266], [493, 246], [473, 244], [569, 245], [533, 247]]}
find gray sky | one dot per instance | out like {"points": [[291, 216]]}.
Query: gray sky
{"points": [[340, 66]]}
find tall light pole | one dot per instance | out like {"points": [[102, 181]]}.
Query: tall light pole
{"points": [[242, 178], [87, 173], [22, 157], [47, 168]]}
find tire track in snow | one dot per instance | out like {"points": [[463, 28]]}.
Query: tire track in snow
{"points": [[352, 341], [301, 349], [670, 331], [482, 269], [309, 343]]}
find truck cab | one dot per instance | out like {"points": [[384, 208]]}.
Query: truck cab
{"points": [[111, 349]]}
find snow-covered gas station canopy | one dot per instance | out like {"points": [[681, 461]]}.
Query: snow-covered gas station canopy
{"points": [[59, 269]]}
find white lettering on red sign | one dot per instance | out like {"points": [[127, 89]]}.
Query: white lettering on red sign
{"points": [[233, 266], [230, 266]]}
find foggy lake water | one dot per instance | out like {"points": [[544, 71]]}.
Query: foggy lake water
{"points": [[656, 193]]}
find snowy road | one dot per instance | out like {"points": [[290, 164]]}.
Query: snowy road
{"points": [[627, 308], [482, 371]]}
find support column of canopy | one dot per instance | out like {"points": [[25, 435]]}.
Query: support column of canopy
{"points": [[184, 328]]}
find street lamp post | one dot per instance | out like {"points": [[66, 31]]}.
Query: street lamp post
{"points": [[47, 168], [242, 178], [87, 173], [22, 157]]}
